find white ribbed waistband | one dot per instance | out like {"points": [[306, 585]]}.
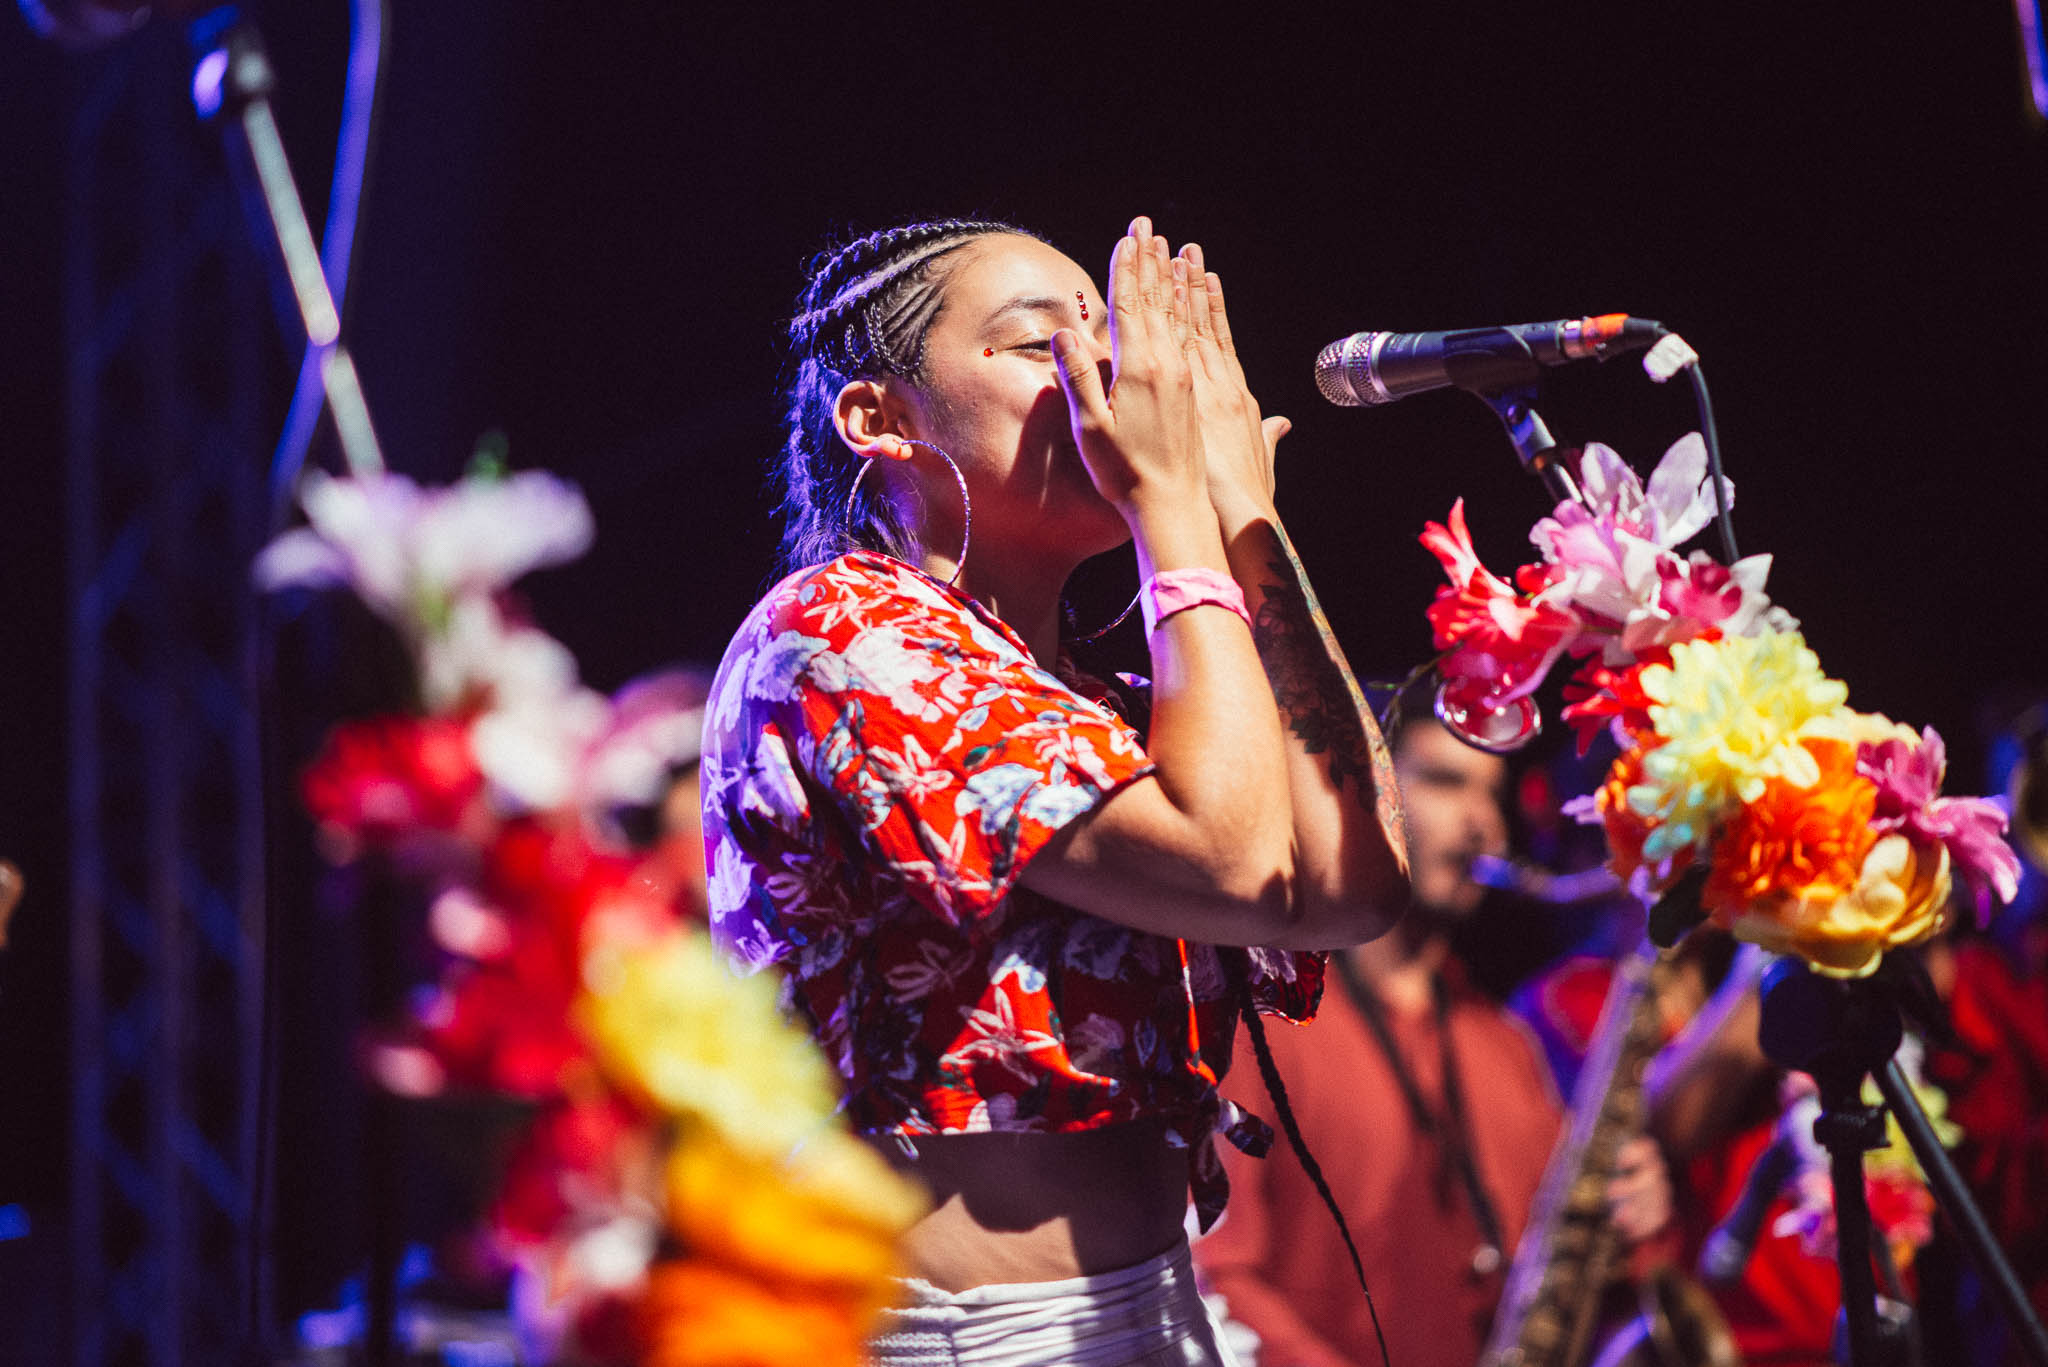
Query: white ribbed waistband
{"points": [[1135, 1314]]}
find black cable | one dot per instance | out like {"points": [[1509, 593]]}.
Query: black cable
{"points": [[1713, 441], [1269, 1072]]}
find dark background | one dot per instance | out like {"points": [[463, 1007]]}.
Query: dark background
{"points": [[586, 223]]}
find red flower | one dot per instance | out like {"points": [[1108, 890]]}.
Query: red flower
{"points": [[1597, 696], [1502, 641], [504, 1023], [1626, 831], [377, 781], [504, 1026], [588, 1150]]}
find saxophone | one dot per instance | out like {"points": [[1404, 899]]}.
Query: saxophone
{"points": [[1550, 1307]]}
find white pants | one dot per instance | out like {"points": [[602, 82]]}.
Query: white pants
{"points": [[1148, 1315]]}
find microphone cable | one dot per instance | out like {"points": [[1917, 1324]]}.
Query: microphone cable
{"points": [[1670, 354]]}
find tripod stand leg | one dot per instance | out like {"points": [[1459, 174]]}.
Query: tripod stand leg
{"points": [[1962, 1211], [1852, 1231]]}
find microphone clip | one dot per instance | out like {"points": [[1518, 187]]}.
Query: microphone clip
{"points": [[1535, 447]]}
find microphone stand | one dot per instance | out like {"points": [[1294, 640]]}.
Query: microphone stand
{"points": [[1840, 1032], [1539, 452], [1954, 1198], [233, 80]]}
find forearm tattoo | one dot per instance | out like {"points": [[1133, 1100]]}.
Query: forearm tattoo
{"points": [[1319, 699]]}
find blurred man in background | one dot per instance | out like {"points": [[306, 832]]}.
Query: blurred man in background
{"points": [[1429, 1107]]}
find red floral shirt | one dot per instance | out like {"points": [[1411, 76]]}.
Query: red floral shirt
{"points": [[881, 760]]}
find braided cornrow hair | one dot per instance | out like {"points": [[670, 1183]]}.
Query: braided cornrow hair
{"points": [[864, 315]]}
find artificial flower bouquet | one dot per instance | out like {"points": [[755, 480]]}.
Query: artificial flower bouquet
{"points": [[1747, 792], [681, 1191]]}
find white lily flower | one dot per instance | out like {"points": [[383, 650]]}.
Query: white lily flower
{"points": [[409, 552]]}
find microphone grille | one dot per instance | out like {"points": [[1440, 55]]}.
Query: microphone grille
{"points": [[1344, 372]]}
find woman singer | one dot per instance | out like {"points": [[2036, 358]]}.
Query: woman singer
{"points": [[1021, 929]]}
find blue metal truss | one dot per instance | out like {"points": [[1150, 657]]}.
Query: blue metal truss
{"points": [[166, 504]]}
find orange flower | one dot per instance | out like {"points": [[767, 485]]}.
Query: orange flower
{"points": [[827, 1218], [1900, 898], [698, 1314], [1626, 831], [1800, 871], [1793, 841]]}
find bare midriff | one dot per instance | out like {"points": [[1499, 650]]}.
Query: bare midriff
{"points": [[1042, 1207]]}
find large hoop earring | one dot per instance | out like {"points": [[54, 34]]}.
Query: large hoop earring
{"points": [[966, 503], [1112, 624]]}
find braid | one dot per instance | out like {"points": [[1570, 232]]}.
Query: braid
{"points": [[864, 314], [1269, 1073]]}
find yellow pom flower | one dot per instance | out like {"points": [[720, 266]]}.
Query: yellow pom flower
{"points": [[1857, 728], [675, 1025], [1897, 1154], [1729, 713]]}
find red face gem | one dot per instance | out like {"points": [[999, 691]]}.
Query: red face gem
{"points": [[988, 351], [1084, 304]]}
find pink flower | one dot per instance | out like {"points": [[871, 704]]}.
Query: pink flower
{"points": [[1700, 592], [1676, 506], [1909, 779], [1615, 566]]}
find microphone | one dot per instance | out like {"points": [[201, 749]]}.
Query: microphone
{"points": [[1539, 884], [1372, 368], [1728, 1246]]}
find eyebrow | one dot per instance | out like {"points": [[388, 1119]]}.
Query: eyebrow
{"points": [[1036, 303]]}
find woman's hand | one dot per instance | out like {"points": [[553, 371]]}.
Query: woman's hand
{"points": [[1139, 438], [1238, 445]]}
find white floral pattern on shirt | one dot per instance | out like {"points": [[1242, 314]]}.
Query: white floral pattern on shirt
{"points": [[881, 760]]}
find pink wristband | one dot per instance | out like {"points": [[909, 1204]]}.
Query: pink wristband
{"points": [[1171, 591]]}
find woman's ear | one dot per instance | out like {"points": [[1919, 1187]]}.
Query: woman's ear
{"points": [[867, 421]]}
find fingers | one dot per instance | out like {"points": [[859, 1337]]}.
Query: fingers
{"points": [[1177, 297], [1081, 381], [1208, 318], [1148, 271], [1160, 287], [1219, 317], [1197, 288], [1273, 429], [1639, 1194], [1141, 296], [1639, 1152], [1123, 294]]}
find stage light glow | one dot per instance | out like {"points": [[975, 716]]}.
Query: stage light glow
{"points": [[207, 78], [2034, 45]]}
